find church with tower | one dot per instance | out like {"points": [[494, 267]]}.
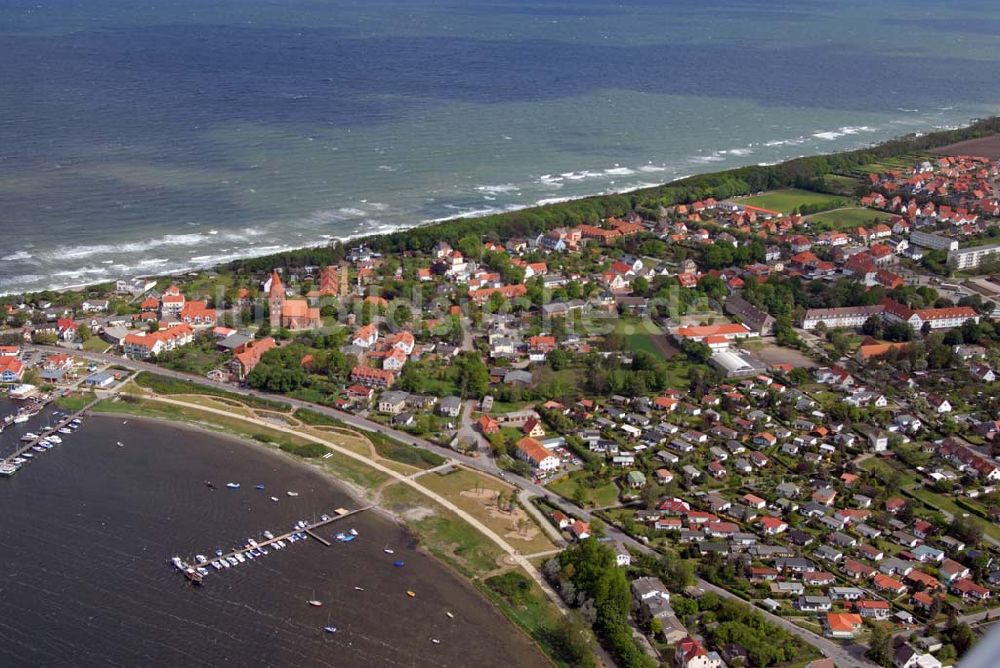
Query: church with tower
{"points": [[290, 313]]}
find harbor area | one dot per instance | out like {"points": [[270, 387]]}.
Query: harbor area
{"points": [[195, 570]]}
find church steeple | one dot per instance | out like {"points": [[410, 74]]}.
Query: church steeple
{"points": [[276, 298]]}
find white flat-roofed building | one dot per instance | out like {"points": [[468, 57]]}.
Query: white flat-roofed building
{"points": [[933, 241], [737, 363], [969, 258], [847, 316]]}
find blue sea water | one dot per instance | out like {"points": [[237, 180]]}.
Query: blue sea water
{"points": [[141, 137]]}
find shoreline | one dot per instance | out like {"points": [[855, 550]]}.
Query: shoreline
{"points": [[511, 210], [473, 581]]}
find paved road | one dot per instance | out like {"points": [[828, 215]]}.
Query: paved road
{"points": [[852, 655]]}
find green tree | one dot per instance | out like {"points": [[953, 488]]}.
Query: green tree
{"points": [[880, 646]]}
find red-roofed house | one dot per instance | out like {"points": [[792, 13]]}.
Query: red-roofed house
{"points": [[533, 452]]}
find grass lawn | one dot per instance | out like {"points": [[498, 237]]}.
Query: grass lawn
{"points": [[605, 494], [639, 335], [935, 500], [847, 218], [787, 200], [95, 345], [475, 494], [840, 185]]}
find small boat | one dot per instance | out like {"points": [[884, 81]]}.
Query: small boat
{"points": [[316, 604], [225, 563], [388, 550], [176, 561], [193, 576], [120, 444], [398, 564], [216, 565], [260, 486], [240, 558], [359, 589], [411, 594], [233, 561], [38, 448], [200, 558], [292, 494], [353, 532], [435, 641], [20, 417], [55, 439], [330, 629], [28, 455], [233, 485], [30, 436], [124, 421], [209, 484], [274, 498], [268, 535], [64, 430], [218, 552], [250, 555], [450, 615]]}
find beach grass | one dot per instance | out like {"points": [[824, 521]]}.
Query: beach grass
{"points": [[523, 602], [164, 385], [390, 448], [443, 533], [788, 200], [142, 407], [74, 402]]}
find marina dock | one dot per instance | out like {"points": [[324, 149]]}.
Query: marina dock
{"points": [[300, 531], [7, 463]]}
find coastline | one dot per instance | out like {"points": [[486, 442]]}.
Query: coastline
{"points": [[541, 206], [410, 522]]}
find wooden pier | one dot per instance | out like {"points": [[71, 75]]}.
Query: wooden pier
{"points": [[62, 422], [309, 529]]}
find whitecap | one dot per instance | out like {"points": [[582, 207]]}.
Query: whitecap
{"points": [[17, 256], [351, 211], [652, 168], [619, 171], [498, 189]]}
